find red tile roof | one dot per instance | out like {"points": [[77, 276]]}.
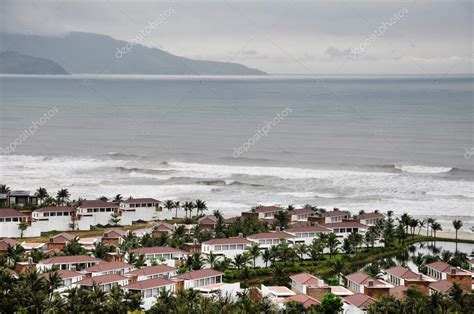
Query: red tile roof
{"points": [[55, 209], [233, 240], [140, 200], [62, 238], [163, 226], [369, 216], [271, 235], [268, 209], [107, 266], [316, 228], [157, 250], [149, 283], [359, 300], [152, 270], [101, 280], [5, 243], [76, 259], [97, 204], [442, 286], [334, 213], [198, 274], [300, 211], [398, 292], [8, 212], [306, 300], [402, 272], [446, 268], [305, 279], [345, 224], [363, 279], [207, 220], [115, 233]]}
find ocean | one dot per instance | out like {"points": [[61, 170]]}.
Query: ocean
{"points": [[401, 143]]}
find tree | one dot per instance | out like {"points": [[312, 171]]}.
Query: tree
{"points": [[22, 226], [435, 226], [63, 196], [200, 206], [429, 222], [212, 259], [177, 206], [115, 218], [294, 307], [118, 198], [168, 204], [188, 206], [457, 224], [140, 261], [331, 304], [266, 256], [41, 193], [301, 250], [254, 252], [283, 219], [53, 282], [338, 268], [332, 243], [240, 260], [4, 189]]}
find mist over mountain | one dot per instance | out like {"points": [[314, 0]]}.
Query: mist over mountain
{"points": [[12, 62], [101, 54]]}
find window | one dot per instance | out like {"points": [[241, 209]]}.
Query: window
{"points": [[66, 213], [46, 214], [218, 247], [8, 219], [59, 214], [148, 293], [1, 219]]}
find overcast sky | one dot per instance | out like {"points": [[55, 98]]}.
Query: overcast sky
{"points": [[333, 37]]}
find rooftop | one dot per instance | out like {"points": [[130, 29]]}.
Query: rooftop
{"points": [[268, 209], [149, 283], [271, 235], [442, 286], [101, 280], [97, 204], [5, 243], [198, 274], [62, 238], [446, 268], [369, 216], [364, 279], [345, 224], [305, 279], [76, 259], [157, 250], [9, 212], [65, 274], [140, 201], [316, 228], [304, 299], [115, 233], [402, 272], [359, 300], [334, 213], [299, 211], [232, 240], [55, 209], [107, 266]]}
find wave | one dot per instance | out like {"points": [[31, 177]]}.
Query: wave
{"points": [[227, 182]]}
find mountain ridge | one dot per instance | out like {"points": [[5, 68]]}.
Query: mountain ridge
{"points": [[80, 52]]}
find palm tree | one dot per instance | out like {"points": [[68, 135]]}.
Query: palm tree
{"points": [[41, 193], [457, 224], [200, 206], [435, 227], [421, 225], [332, 243], [53, 282], [266, 256], [418, 260], [62, 196], [338, 267], [177, 206], [4, 189], [212, 259], [189, 206], [118, 198], [140, 261], [240, 260], [22, 226], [429, 222], [254, 252], [301, 250], [168, 204]]}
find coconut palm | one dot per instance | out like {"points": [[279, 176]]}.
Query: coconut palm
{"points": [[140, 261], [63, 196], [41, 193], [168, 204], [200, 206], [240, 260], [53, 282], [189, 206], [212, 259], [338, 268], [429, 222], [177, 206], [254, 252], [118, 198], [435, 226], [421, 225], [301, 250], [4, 189], [333, 244], [457, 224], [266, 256]]}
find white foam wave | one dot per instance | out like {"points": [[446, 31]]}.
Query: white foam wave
{"points": [[423, 169]]}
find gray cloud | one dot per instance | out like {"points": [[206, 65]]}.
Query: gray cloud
{"points": [[272, 35]]}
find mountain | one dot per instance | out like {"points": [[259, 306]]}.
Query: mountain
{"points": [[100, 54], [12, 62]]}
